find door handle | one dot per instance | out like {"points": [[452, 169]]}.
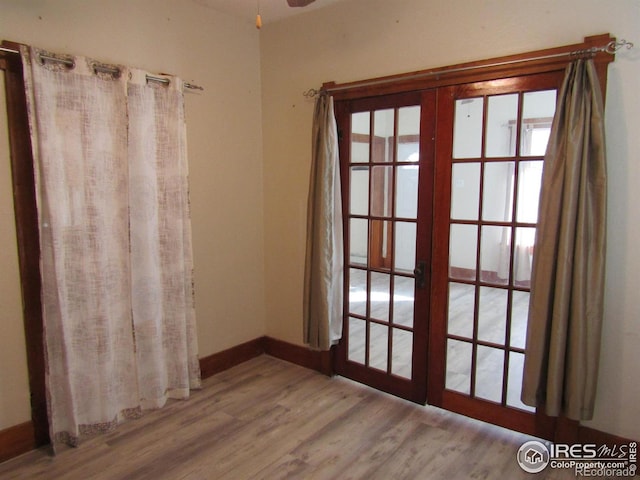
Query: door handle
{"points": [[420, 273]]}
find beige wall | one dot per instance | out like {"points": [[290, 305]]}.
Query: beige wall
{"points": [[225, 155], [359, 39]]}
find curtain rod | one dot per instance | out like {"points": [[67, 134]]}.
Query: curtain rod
{"points": [[102, 68], [611, 48]]}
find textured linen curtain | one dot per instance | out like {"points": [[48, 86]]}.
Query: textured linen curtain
{"points": [[160, 232], [566, 304], [323, 280], [112, 334]]}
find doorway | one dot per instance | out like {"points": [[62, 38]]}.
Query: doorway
{"points": [[440, 192]]}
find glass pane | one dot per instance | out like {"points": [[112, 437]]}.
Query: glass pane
{"points": [[462, 251], [360, 123], [359, 191], [405, 246], [514, 382], [360, 128], [357, 336], [359, 150], [379, 298], [358, 291], [408, 134], [379, 242], [495, 253], [403, 300], [358, 234], [529, 182], [402, 349], [502, 117], [523, 256], [458, 376], [407, 191], [540, 104], [408, 152], [465, 191], [378, 346], [383, 127], [381, 187], [539, 139], [492, 315], [461, 306], [409, 121], [538, 109], [489, 368], [467, 128], [519, 318], [497, 192]]}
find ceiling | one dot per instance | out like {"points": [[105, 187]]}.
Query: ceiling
{"points": [[270, 10]]}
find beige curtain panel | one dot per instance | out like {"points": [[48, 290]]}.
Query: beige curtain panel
{"points": [[111, 190], [323, 278], [567, 289]]}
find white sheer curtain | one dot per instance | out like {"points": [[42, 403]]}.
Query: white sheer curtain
{"points": [[115, 247]]}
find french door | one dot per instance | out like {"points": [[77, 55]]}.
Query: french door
{"points": [[386, 150], [492, 138], [440, 192]]}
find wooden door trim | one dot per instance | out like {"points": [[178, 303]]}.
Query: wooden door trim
{"points": [[28, 238], [527, 63], [424, 241], [440, 258], [537, 424]]}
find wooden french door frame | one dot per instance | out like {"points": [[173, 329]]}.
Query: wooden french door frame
{"points": [[415, 388]]}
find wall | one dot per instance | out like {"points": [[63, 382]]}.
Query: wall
{"points": [[224, 140], [359, 39]]}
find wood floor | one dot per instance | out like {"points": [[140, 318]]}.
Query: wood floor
{"points": [[269, 419]]}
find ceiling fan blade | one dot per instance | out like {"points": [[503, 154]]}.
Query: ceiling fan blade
{"points": [[299, 3]]}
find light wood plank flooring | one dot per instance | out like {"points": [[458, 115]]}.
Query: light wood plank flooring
{"points": [[269, 419]]}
